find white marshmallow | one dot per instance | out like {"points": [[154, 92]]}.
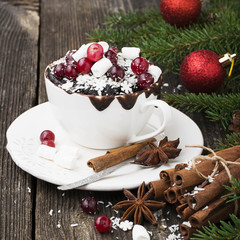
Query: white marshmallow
{"points": [[155, 71], [130, 52], [101, 67], [66, 157], [88, 44], [140, 233], [104, 45], [46, 152], [80, 53]]}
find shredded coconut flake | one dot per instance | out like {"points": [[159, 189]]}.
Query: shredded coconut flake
{"points": [[109, 204], [124, 225], [74, 225], [187, 223], [51, 212]]}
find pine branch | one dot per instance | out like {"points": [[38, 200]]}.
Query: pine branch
{"points": [[217, 107], [230, 140], [234, 190], [226, 231], [167, 45], [132, 19]]}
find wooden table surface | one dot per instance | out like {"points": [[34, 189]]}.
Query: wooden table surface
{"points": [[32, 34]]}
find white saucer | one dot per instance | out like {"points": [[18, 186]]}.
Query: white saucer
{"points": [[23, 141]]}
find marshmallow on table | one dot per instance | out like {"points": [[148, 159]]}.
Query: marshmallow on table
{"points": [[140, 233], [104, 45], [46, 152], [130, 52], [66, 157], [155, 71], [101, 67]]}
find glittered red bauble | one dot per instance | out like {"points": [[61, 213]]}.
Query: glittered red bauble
{"points": [[180, 12], [201, 72]]}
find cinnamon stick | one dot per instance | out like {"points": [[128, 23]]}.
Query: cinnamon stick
{"points": [[214, 189], [115, 156], [167, 175], [186, 178], [198, 218], [180, 166], [184, 211], [222, 212], [171, 194], [187, 231], [159, 187]]}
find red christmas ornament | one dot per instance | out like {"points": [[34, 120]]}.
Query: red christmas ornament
{"points": [[201, 72], [180, 12]]}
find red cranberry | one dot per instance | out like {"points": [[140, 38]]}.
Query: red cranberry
{"points": [[59, 70], [102, 224], [95, 52], [112, 56], [49, 143], [139, 65], [145, 80], [116, 73], [84, 65], [114, 49], [89, 205], [71, 71], [47, 135], [69, 58]]}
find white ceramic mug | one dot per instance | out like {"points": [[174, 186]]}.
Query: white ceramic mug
{"points": [[105, 122]]}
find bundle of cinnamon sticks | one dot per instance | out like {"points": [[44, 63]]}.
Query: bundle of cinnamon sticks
{"points": [[198, 200]]}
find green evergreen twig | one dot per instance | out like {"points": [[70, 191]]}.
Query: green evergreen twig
{"points": [[167, 45], [234, 190], [226, 231], [230, 140], [217, 107]]}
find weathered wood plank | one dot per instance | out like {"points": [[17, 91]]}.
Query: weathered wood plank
{"points": [[18, 82]]}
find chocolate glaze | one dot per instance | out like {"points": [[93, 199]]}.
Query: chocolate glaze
{"points": [[127, 101], [101, 103]]}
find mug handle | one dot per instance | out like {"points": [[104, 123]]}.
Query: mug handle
{"points": [[166, 112]]}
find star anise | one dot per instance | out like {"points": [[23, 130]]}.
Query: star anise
{"points": [[140, 206], [155, 155]]}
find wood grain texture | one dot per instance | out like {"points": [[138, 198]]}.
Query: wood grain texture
{"points": [[18, 82]]}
